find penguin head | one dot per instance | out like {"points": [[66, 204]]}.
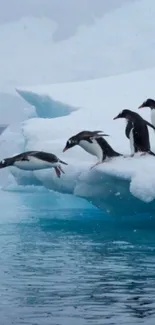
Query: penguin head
{"points": [[126, 113], [73, 141], [6, 162], [148, 103]]}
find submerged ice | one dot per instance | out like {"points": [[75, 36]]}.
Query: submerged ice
{"points": [[45, 106]]}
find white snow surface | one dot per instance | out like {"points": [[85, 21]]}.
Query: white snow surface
{"points": [[120, 186]]}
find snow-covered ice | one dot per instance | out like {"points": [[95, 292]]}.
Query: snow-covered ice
{"points": [[120, 186]]}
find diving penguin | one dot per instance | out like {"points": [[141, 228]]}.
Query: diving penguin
{"points": [[34, 160], [93, 143], [137, 132]]}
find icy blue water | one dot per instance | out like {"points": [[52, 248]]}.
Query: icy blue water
{"points": [[73, 266]]}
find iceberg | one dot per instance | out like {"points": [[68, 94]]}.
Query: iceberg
{"points": [[122, 186]]}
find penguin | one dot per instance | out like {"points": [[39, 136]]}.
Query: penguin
{"points": [[137, 132], [150, 103], [93, 143], [34, 160]]}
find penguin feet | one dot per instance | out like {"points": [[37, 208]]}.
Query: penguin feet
{"points": [[58, 171], [98, 163], [143, 153], [60, 168]]}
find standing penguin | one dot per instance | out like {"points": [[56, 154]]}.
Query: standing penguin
{"points": [[93, 143], [150, 103], [34, 160], [137, 131]]}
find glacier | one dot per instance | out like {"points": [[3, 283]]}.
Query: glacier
{"points": [[122, 186]]}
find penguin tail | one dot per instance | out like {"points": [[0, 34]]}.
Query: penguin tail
{"points": [[63, 162], [117, 154], [151, 153]]}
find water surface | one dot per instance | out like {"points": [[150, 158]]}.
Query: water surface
{"points": [[62, 267]]}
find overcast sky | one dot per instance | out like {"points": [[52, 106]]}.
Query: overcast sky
{"points": [[69, 14]]}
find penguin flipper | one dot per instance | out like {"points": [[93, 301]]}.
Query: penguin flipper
{"points": [[96, 132], [93, 134], [128, 129], [24, 159], [149, 124], [96, 136], [99, 134]]}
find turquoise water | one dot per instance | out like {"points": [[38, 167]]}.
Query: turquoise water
{"points": [[62, 267]]}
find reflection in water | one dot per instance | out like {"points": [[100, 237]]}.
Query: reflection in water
{"points": [[73, 266]]}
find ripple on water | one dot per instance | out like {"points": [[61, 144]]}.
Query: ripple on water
{"points": [[72, 267]]}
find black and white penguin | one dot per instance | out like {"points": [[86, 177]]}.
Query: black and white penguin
{"points": [[136, 131], [93, 143], [34, 160], [150, 103]]}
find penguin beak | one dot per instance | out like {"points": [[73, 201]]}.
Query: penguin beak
{"points": [[65, 149], [141, 106], [116, 117], [106, 135]]}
